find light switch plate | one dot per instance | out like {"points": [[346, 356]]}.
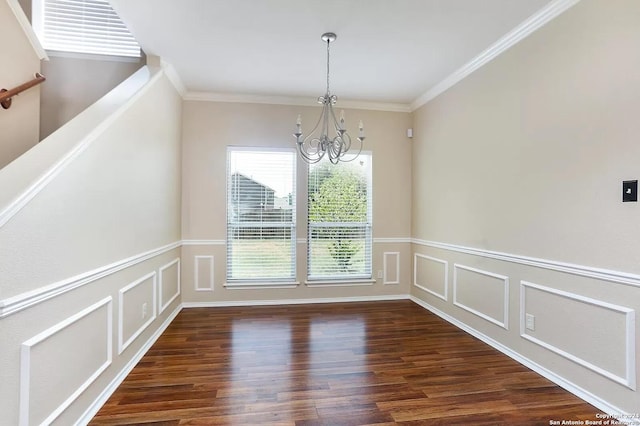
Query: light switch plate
{"points": [[629, 190]]}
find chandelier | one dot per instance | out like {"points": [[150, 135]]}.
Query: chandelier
{"points": [[329, 136]]}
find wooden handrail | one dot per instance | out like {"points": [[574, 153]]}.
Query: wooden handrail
{"points": [[6, 95]]}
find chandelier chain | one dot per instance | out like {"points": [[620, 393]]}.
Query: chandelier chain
{"points": [[328, 57]]}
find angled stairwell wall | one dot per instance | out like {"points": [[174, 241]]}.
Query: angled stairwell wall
{"points": [[89, 251]]}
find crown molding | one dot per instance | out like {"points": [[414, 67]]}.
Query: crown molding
{"points": [[291, 100], [173, 77], [532, 24]]}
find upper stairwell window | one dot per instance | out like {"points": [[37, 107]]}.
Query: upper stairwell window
{"points": [[82, 26]]}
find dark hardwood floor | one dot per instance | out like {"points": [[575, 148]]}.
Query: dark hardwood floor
{"points": [[380, 363]]}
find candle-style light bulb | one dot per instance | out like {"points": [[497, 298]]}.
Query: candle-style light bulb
{"points": [[299, 125], [360, 129], [342, 119]]}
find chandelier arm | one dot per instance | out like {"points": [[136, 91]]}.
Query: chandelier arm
{"points": [[319, 143]]}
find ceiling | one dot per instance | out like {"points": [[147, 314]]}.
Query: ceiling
{"points": [[387, 51]]}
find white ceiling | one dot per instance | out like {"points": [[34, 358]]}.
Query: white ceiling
{"points": [[390, 51]]}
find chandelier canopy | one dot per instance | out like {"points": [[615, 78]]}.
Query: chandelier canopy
{"points": [[329, 137]]}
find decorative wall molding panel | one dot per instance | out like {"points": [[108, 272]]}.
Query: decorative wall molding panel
{"points": [[624, 345], [203, 272], [167, 296], [113, 385], [592, 399], [134, 311], [438, 290], [569, 268], [497, 295], [28, 368], [17, 303], [391, 267]]}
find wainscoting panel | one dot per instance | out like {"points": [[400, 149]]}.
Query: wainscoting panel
{"points": [[391, 267], [204, 273], [483, 293], [137, 308], [598, 335], [431, 275], [52, 376], [169, 283]]}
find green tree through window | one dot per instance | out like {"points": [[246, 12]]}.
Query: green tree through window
{"points": [[339, 220]]}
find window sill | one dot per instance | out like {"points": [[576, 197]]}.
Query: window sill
{"points": [[260, 285], [340, 283], [93, 56]]}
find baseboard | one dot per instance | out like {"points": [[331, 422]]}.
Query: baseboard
{"points": [[111, 388], [587, 396], [295, 301]]}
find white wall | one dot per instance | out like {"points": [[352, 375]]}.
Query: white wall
{"points": [[90, 264], [517, 172], [19, 123]]}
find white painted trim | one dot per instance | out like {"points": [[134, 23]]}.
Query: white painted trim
{"points": [[196, 268], [569, 268], [260, 285], [291, 100], [25, 361], [178, 290], [587, 396], [446, 275], [93, 409], [124, 345], [505, 313], [392, 240], [630, 359], [188, 305], [524, 29], [28, 30], [13, 207], [339, 283], [173, 77], [204, 242], [385, 281], [22, 301]]}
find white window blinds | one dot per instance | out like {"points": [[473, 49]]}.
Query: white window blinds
{"points": [[82, 26], [261, 212], [339, 227]]}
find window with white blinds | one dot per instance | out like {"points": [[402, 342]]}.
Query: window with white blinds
{"points": [[339, 227], [261, 213], [82, 26]]}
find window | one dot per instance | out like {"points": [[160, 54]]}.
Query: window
{"points": [[339, 231], [261, 212], [82, 26]]}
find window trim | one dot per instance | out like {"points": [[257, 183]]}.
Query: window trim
{"points": [[344, 280]]}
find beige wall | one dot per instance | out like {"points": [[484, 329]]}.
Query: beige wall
{"points": [[209, 127], [526, 157], [20, 123], [75, 83], [90, 265]]}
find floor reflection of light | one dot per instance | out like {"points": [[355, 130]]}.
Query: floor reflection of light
{"points": [[329, 345], [260, 363]]}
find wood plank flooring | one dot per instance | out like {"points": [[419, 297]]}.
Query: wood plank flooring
{"points": [[382, 363]]}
